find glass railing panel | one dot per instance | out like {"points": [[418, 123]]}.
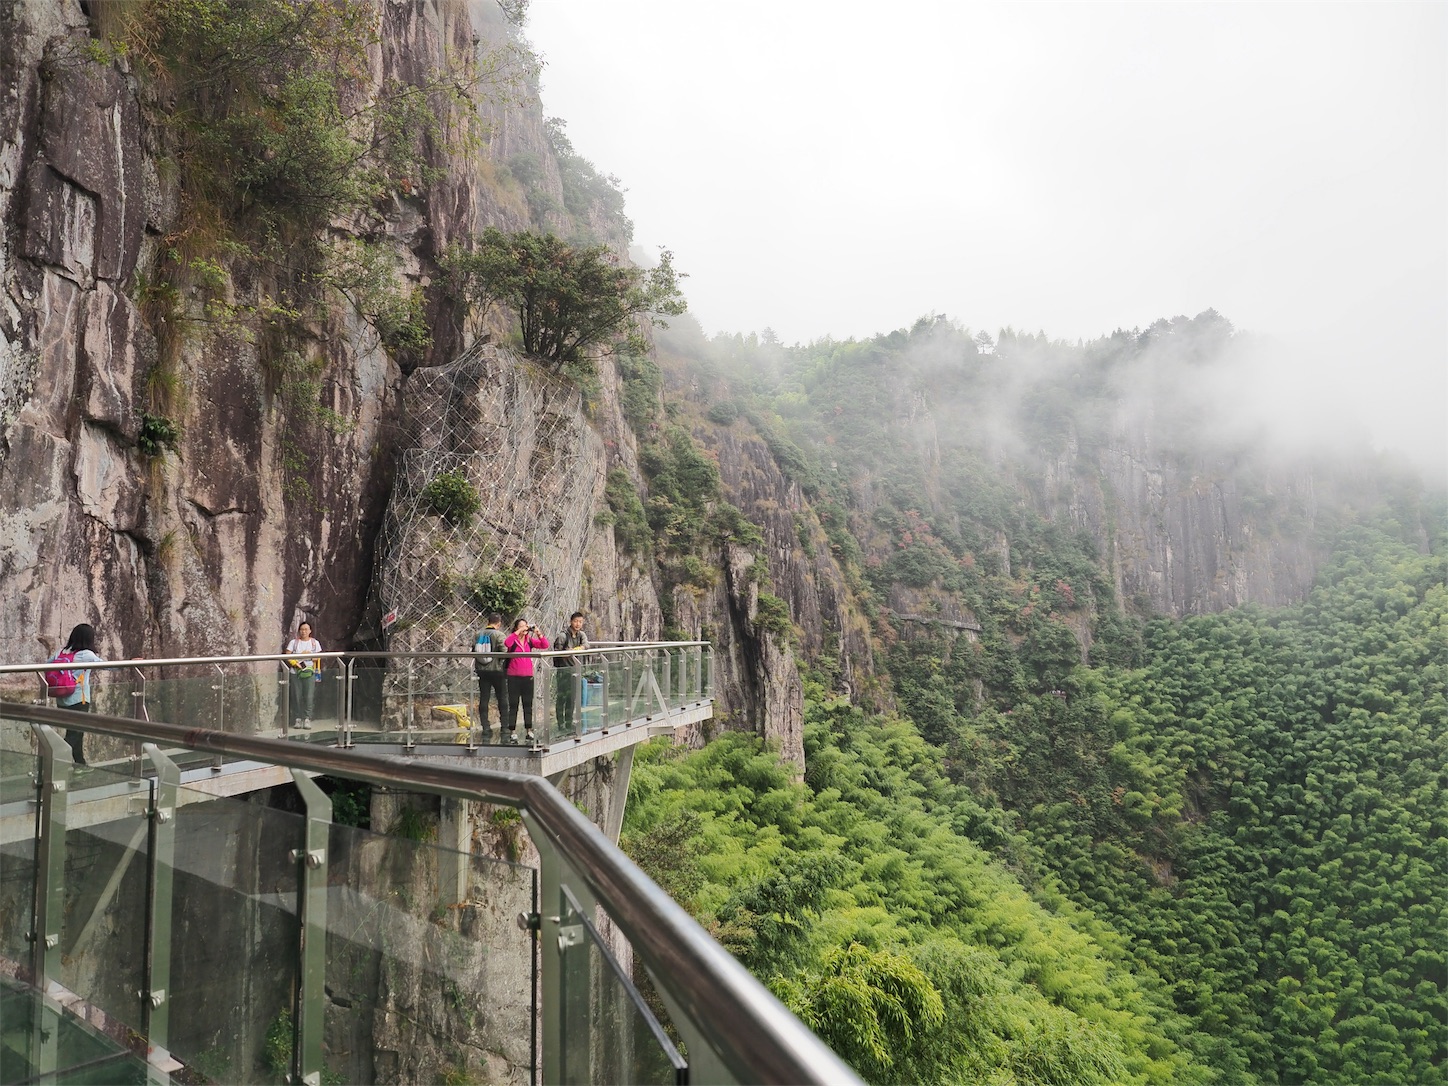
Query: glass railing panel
{"points": [[250, 699], [609, 1032], [616, 691], [553, 718], [18, 769], [656, 663], [111, 695], [102, 934], [315, 696], [369, 682], [685, 675], [190, 700], [428, 700], [692, 677], [590, 713], [429, 978], [234, 938]]}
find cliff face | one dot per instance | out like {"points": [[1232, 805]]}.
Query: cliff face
{"points": [[253, 520], [271, 504], [1182, 536]]}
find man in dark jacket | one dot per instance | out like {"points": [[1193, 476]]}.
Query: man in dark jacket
{"points": [[565, 701]]}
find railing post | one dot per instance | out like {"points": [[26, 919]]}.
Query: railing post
{"points": [[629, 686], [220, 688], [350, 691], [160, 860], [706, 669], [56, 765], [284, 681], [603, 714], [48, 913], [411, 685], [543, 689], [311, 860], [341, 695]]}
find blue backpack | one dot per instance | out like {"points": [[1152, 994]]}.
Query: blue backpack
{"points": [[489, 649]]}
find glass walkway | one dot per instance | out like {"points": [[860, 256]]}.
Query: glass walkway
{"points": [[169, 913]]}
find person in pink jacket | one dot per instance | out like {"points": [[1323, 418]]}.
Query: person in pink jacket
{"points": [[525, 638]]}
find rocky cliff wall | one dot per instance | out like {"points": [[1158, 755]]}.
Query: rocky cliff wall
{"points": [[271, 505]]}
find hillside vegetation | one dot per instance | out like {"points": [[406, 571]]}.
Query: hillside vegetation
{"points": [[1115, 846]]}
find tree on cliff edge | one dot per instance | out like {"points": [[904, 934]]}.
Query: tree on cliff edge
{"points": [[568, 298]]}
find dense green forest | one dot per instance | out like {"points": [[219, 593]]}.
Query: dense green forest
{"points": [[1209, 849], [1225, 864]]}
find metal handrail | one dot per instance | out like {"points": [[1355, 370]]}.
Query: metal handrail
{"points": [[609, 649], [754, 1035]]}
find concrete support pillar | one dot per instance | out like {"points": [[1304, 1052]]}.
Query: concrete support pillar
{"points": [[455, 835]]}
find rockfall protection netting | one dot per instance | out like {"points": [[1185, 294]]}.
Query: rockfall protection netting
{"points": [[519, 438]]}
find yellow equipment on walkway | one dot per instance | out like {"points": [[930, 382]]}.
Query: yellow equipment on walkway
{"points": [[460, 714]]}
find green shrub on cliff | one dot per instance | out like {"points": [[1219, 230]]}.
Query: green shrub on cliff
{"points": [[449, 495], [503, 592], [569, 299]]}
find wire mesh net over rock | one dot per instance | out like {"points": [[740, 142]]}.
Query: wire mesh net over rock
{"points": [[499, 470]]}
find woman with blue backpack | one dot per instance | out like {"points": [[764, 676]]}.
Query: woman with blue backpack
{"points": [[70, 687]]}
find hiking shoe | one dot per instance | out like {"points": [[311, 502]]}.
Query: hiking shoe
{"points": [[531, 737]]}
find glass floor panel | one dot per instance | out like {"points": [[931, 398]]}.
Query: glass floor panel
{"points": [[81, 1055]]}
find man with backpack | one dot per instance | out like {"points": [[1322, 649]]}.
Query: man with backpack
{"points": [[71, 687], [489, 660]]}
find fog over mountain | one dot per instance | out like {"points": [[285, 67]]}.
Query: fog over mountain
{"points": [[835, 170]]}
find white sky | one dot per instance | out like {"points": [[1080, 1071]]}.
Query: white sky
{"points": [[836, 168]]}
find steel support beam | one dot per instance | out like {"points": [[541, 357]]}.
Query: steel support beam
{"points": [[550, 932], [48, 914], [311, 860], [161, 861]]}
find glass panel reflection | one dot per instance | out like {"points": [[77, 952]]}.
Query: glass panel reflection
{"points": [[609, 1033], [429, 976], [18, 769], [102, 936], [234, 937]]}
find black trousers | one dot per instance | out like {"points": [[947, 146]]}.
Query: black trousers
{"points": [[565, 701], [520, 691], [76, 739], [495, 683]]}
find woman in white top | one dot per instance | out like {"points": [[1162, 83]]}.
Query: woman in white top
{"points": [[303, 675]]}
